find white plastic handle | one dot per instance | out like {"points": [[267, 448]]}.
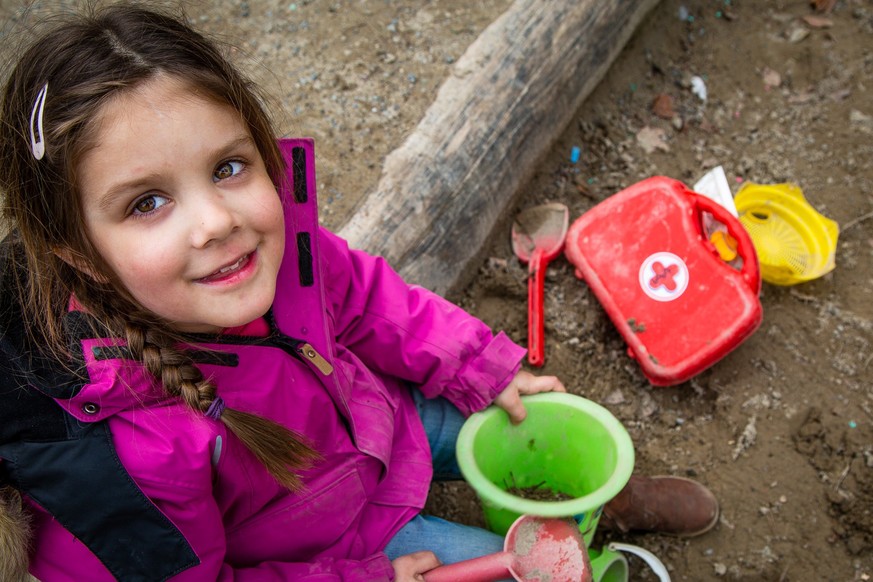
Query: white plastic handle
{"points": [[648, 557]]}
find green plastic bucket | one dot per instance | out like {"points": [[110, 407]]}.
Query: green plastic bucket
{"points": [[567, 444]]}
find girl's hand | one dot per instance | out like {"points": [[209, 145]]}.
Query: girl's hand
{"points": [[410, 568], [525, 383]]}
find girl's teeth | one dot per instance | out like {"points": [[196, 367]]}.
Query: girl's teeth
{"points": [[233, 266]]}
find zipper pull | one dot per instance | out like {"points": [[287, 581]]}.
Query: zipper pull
{"points": [[308, 352]]}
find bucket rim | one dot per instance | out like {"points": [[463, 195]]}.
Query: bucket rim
{"points": [[491, 493]]}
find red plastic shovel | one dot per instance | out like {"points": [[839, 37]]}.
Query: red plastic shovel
{"points": [[538, 235], [537, 549]]}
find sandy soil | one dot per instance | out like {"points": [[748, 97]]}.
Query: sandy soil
{"points": [[782, 428]]}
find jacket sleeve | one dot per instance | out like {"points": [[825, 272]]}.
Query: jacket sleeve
{"points": [[411, 333]]}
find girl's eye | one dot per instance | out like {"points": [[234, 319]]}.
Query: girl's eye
{"points": [[148, 204], [227, 170]]}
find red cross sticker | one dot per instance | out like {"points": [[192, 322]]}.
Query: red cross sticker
{"points": [[664, 276]]}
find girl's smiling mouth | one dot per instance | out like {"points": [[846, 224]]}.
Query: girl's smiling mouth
{"points": [[232, 272]]}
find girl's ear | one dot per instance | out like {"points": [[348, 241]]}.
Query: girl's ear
{"points": [[80, 263]]}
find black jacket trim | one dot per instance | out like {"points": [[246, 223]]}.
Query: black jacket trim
{"points": [[71, 468], [83, 484]]}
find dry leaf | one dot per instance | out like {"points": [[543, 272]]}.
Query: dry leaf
{"points": [[771, 78], [823, 5], [803, 97], [818, 21], [861, 121], [797, 33], [651, 139], [662, 106]]}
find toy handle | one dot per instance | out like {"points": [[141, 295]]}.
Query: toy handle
{"points": [[648, 557], [483, 569], [536, 283], [750, 272]]}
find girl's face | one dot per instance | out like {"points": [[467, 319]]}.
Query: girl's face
{"points": [[179, 204]]}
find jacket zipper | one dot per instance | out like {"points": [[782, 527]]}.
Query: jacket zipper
{"points": [[298, 348], [301, 349]]}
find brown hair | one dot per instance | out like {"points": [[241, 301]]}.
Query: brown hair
{"points": [[14, 537], [86, 62]]}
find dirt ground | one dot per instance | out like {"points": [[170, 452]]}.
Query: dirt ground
{"points": [[782, 428]]}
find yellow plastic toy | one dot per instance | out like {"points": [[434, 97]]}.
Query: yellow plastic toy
{"points": [[793, 241]]}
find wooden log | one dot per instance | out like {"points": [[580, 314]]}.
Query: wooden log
{"points": [[509, 97]]}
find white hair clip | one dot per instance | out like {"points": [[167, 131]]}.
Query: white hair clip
{"points": [[37, 146]]}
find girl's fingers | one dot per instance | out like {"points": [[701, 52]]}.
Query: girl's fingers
{"points": [[537, 384], [411, 566], [525, 383], [515, 409]]}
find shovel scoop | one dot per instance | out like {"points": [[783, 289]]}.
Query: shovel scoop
{"points": [[538, 235], [536, 549]]}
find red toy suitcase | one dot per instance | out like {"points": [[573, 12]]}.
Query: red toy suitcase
{"points": [[676, 303]]}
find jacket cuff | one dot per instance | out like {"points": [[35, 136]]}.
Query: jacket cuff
{"points": [[378, 567], [488, 374]]}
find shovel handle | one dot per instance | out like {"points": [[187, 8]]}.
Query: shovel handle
{"points": [[536, 283], [483, 569]]}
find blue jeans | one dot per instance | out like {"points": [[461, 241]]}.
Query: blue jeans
{"points": [[451, 542]]}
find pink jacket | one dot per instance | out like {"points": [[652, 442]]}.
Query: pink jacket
{"points": [[377, 335]]}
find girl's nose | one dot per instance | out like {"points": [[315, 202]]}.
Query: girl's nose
{"points": [[213, 218]]}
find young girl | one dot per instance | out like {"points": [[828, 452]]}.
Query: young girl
{"points": [[199, 383]]}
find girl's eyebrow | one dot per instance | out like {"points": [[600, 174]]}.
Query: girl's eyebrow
{"points": [[243, 140], [108, 198], [116, 190]]}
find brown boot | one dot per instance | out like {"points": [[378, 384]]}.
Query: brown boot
{"points": [[670, 505]]}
